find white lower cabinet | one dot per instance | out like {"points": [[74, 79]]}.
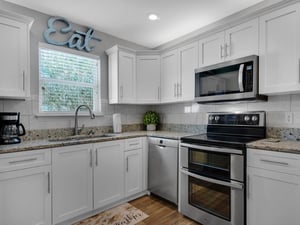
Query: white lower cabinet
{"points": [[108, 173], [133, 172], [91, 176], [273, 196], [72, 175], [25, 193]]}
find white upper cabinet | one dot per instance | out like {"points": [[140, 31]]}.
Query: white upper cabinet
{"points": [[178, 73], [169, 76], [211, 50], [14, 58], [242, 40], [280, 51], [122, 75], [235, 42], [148, 79], [188, 62]]}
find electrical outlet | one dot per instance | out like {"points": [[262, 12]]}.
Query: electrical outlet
{"points": [[288, 117]]}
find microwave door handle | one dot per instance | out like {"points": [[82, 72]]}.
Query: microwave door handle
{"points": [[241, 70]]}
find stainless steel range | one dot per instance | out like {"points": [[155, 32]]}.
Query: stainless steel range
{"points": [[212, 168]]}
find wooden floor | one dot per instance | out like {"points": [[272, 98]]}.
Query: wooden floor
{"points": [[160, 212]]}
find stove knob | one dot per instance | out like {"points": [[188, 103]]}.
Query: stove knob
{"points": [[254, 118], [211, 118], [246, 118], [217, 118]]}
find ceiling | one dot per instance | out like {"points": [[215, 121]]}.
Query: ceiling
{"points": [[128, 19]]}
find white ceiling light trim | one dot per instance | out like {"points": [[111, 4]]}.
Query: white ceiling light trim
{"points": [[153, 16]]}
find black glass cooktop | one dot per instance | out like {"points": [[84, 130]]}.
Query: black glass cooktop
{"points": [[220, 140]]}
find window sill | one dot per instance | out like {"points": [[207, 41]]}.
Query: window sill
{"points": [[80, 114]]}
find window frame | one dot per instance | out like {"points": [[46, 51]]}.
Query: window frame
{"points": [[96, 101]]}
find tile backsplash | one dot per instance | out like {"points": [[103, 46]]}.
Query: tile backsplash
{"points": [[189, 116]]}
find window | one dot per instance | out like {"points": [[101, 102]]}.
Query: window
{"points": [[67, 79]]}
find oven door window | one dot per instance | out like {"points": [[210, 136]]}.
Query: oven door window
{"points": [[210, 197], [211, 164]]}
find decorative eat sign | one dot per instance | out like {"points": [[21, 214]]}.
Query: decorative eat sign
{"points": [[78, 39]]}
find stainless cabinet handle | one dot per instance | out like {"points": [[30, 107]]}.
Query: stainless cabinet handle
{"points": [[127, 164], [91, 158], [121, 91], [158, 93], [23, 80], [22, 161], [299, 69], [221, 50], [48, 182], [96, 157], [227, 50], [274, 162], [248, 186], [134, 144], [175, 90]]}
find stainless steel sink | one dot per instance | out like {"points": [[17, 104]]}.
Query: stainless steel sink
{"points": [[81, 137]]}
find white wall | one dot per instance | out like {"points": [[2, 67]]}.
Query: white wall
{"points": [[194, 113]]}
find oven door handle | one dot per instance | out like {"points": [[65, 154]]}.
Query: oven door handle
{"points": [[213, 149], [232, 184]]}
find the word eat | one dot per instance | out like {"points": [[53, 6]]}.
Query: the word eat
{"points": [[78, 39]]}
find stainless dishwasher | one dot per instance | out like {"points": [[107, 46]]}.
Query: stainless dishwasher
{"points": [[163, 168]]}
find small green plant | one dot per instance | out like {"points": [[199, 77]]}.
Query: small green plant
{"points": [[151, 117]]}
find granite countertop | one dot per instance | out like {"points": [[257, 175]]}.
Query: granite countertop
{"points": [[278, 145], [43, 144]]}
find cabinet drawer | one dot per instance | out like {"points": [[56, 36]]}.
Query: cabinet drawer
{"points": [[276, 161], [22, 160], [133, 143]]}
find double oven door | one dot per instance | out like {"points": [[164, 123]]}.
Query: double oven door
{"points": [[212, 184]]}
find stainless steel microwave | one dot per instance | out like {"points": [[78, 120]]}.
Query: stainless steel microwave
{"points": [[236, 80]]}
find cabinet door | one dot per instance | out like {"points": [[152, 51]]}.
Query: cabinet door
{"points": [[127, 77], [280, 51], [169, 75], [133, 172], [108, 173], [211, 50], [273, 198], [148, 79], [242, 40], [25, 197], [72, 181], [188, 62], [13, 58]]}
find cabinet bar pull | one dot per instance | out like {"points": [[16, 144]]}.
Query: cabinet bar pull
{"points": [[48, 182], [91, 158], [23, 80], [127, 164], [175, 90], [299, 69], [275, 162], [227, 49], [248, 186], [22, 161], [158, 93], [221, 48], [133, 144], [96, 157], [121, 91]]}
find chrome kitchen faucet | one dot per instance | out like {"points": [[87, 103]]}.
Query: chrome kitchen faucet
{"points": [[92, 115]]}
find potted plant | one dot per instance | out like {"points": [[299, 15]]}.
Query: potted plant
{"points": [[151, 119]]}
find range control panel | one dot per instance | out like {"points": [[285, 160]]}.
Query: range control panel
{"points": [[237, 119]]}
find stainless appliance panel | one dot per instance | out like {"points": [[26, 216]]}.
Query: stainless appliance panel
{"points": [[209, 218], [163, 168]]}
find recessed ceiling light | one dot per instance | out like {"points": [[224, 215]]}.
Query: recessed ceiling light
{"points": [[153, 16]]}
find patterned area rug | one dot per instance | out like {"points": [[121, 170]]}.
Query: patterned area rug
{"points": [[124, 214]]}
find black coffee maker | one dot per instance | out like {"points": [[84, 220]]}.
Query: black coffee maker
{"points": [[10, 128]]}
